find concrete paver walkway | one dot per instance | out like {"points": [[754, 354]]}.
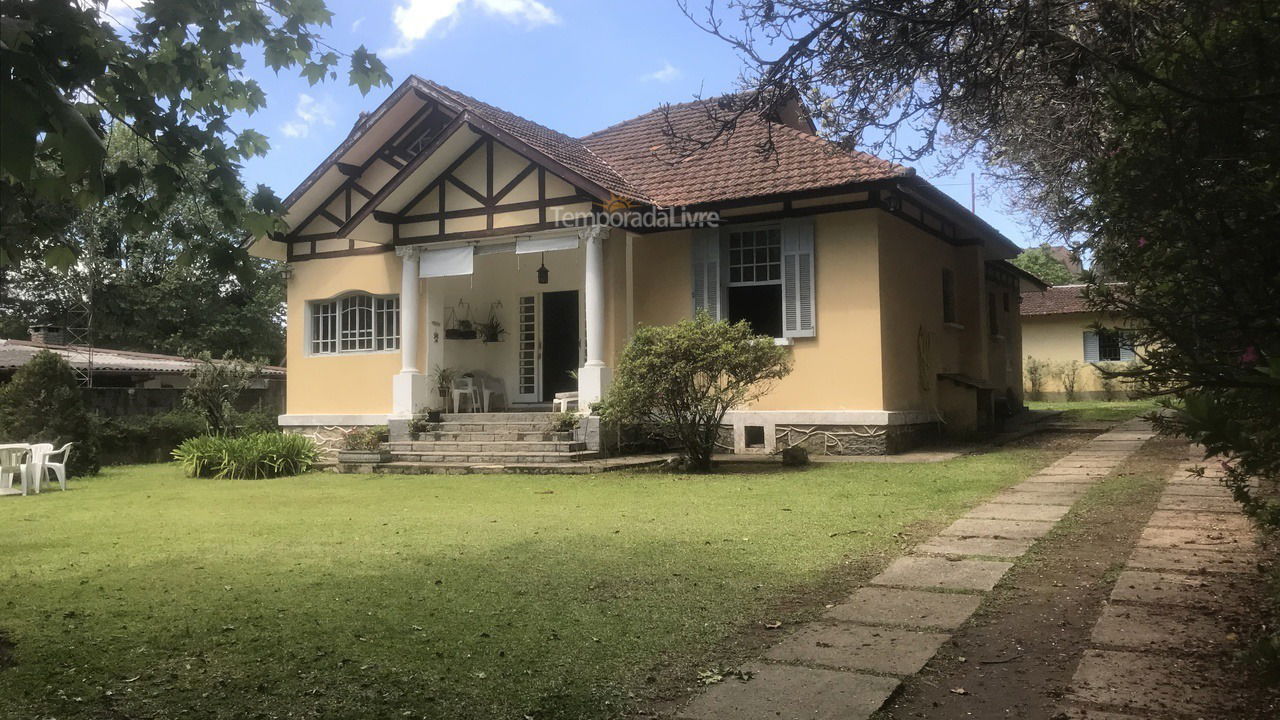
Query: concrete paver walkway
{"points": [[1159, 642], [848, 664]]}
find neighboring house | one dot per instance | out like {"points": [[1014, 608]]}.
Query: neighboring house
{"points": [[1058, 328], [440, 211], [126, 382]]}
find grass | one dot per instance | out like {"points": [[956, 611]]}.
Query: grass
{"points": [[142, 593], [1096, 410]]}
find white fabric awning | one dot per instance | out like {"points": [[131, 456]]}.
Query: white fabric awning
{"points": [[526, 245], [447, 262]]}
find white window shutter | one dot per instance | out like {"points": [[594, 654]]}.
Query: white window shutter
{"points": [[799, 310], [1126, 347], [707, 293], [1090, 346]]}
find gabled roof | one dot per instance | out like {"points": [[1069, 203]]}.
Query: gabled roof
{"points": [[731, 167], [1054, 300], [15, 353]]}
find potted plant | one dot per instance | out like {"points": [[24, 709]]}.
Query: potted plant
{"points": [[491, 330], [443, 377], [365, 446], [421, 425]]}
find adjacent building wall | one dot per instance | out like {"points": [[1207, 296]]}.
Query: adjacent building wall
{"points": [[1059, 340]]}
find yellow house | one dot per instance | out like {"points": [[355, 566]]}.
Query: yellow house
{"points": [[440, 213], [1058, 328]]}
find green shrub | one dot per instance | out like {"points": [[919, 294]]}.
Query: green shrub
{"points": [[260, 455], [369, 439], [1038, 371], [43, 403], [681, 379], [254, 421], [1068, 373], [565, 422], [145, 438], [214, 388]]}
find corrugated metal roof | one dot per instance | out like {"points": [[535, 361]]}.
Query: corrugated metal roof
{"points": [[15, 353]]}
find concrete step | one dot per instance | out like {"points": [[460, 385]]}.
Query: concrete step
{"points": [[488, 426], [517, 435], [490, 417], [536, 446], [491, 458], [462, 468]]}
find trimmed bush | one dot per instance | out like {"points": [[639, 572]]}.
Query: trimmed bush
{"points": [[131, 439], [367, 439], [249, 457], [43, 403]]}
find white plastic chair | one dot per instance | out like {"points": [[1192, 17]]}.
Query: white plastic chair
{"points": [[59, 468], [13, 461], [491, 386], [465, 388], [562, 401], [35, 464]]}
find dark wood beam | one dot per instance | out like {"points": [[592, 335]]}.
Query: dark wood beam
{"points": [[349, 170]]}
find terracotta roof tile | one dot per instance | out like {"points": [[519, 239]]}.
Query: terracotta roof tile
{"points": [[15, 353], [1055, 300], [729, 168]]}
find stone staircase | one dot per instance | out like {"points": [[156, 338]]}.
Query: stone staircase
{"points": [[489, 442]]}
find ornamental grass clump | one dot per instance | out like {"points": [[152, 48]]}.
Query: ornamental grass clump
{"points": [[248, 457]]}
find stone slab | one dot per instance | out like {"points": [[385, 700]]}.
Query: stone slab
{"points": [[1145, 681], [1073, 489], [1077, 713], [985, 546], [859, 647], [1073, 479], [1192, 560], [784, 692], [1022, 497], [1009, 511], [1197, 539], [912, 608], [1169, 588], [1197, 490], [1192, 519], [1165, 629], [1073, 471], [928, 572], [1015, 529], [1202, 504]]}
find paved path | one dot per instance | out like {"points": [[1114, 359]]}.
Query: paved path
{"points": [[849, 663], [1161, 640]]}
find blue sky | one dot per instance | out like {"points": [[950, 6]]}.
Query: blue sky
{"points": [[573, 65]]}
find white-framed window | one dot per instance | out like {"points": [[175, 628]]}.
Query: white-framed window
{"points": [[754, 287], [1108, 345], [357, 322]]}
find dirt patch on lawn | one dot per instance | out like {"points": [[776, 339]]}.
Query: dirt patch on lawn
{"points": [[6, 651], [1017, 656]]}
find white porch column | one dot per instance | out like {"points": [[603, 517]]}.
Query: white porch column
{"points": [[594, 377], [409, 386]]}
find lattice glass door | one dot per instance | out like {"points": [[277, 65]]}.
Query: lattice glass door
{"points": [[527, 345]]}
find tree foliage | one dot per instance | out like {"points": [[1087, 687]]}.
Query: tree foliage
{"points": [[150, 290], [681, 379], [173, 74], [43, 403], [214, 388], [1148, 131], [1039, 261]]}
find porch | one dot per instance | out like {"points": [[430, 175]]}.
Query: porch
{"points": [[522, 316]]}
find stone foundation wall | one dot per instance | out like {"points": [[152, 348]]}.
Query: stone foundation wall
{"points": [[855, 439], [327, 437]]}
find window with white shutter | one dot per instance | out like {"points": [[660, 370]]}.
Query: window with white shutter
{"points": [[706, 272], [1090, 346], [799, 311]]}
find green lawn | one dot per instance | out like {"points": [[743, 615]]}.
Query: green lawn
{"points": [[141, 593], [1096, 410]]}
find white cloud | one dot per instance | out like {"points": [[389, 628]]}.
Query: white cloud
{"points": [[308, 113], [667, 73], [414, 19], [356, 25]]}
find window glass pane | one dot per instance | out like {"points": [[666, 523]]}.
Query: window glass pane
{"points": [[356, 323], [324, 336], [755, 256]]}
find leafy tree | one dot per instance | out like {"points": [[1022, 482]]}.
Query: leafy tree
{"points": [[214, 388], [681, 380], [152, 291], [173, 74], [1148, 131], [43, 403], [1039, 261]]}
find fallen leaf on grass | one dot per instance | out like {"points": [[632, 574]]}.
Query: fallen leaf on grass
{"points": [[773, 625], [959, 691]]}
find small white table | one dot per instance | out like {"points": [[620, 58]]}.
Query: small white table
{"points": [[25, 470]]}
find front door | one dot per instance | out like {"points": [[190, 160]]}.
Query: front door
{"points": [[560, 345]]}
